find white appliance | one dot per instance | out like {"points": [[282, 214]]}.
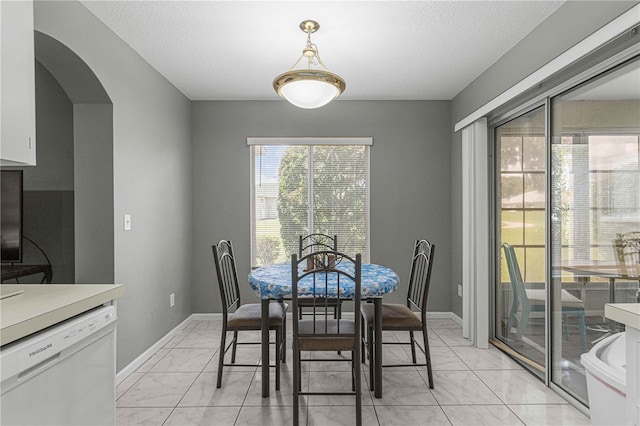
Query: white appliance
{"points": [[63, 375], [605, 365]]}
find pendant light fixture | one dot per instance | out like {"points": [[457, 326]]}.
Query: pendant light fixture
{"points": [[310, 87]]}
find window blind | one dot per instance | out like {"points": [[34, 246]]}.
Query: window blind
{"points": [[300, 189]]}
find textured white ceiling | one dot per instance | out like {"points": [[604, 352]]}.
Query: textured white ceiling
{"points": [[410, 50]]}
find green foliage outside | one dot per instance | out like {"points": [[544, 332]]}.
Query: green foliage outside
{"points": [[293, 196], [267, 249], [340, 191]]}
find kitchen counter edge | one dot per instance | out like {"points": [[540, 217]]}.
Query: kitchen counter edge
{"points": [[625, 313], [40, 306]]}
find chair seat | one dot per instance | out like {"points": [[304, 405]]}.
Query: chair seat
{"points": [[249, 316], [323, 342], [537, 297], [393, 316]]}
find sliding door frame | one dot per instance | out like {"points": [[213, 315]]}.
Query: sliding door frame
{"points": [[495, 248]]}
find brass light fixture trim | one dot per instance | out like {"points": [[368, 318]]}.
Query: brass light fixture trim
{"points": [[319, 74], [309, 26]]}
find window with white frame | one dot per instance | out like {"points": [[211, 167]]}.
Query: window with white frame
{"points": [[308, 185]]}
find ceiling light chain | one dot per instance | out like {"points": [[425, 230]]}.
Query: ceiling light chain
{"points": [[309, 88], [312, 54]]}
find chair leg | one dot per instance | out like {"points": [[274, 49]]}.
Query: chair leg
{"points": [[358, 386], [300, 375], [413, 347], [522, 323], [583, 333], [278, 355], [336, 315], [223, 338], [371, 356], [284, 341], [362, 334], [427, 354], [353, 371], [284, 337], [513, 315], [235, 344], [296, 385]]}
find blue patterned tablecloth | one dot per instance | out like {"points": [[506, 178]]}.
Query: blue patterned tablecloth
{"points": [[274, 281]]}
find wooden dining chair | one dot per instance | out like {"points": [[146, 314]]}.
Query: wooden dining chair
{"points": [[314, 243], [241, 317], [333, 273], [411, 316]]}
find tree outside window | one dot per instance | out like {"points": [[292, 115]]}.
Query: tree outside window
{"points": [[321, 189]]}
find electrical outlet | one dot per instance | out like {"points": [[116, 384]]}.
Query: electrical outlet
{"points": [[127, 222], [459, 290], [172, 300]]}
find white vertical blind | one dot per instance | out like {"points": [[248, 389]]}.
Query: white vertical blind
{"points": [[475, 234]]}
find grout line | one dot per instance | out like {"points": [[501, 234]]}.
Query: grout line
{"points": [[366, 391], [172, 410], [131, 386]]}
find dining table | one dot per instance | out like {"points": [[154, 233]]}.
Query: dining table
{"points": [[584, 270], [273, 283]]}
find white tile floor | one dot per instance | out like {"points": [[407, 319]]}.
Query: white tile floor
{"points": [[472, 387]]}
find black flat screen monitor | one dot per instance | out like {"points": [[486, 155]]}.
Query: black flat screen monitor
{"points": [[11, 210]]}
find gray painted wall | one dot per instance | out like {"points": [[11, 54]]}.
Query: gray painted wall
{"points": [[93, 159], [48, 211], [410, 187], [152, 176], [55, 159], [570, 24]]}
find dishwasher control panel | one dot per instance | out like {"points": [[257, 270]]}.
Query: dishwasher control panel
{"points": [[28, 354]]}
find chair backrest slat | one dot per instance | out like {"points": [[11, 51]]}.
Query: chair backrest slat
{"points": [[331, 274], [420, 275], [316, 242], [227, 276]]}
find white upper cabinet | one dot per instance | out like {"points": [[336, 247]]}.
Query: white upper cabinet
{"points": [[18, 122]]}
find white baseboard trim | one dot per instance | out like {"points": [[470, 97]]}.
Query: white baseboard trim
{"points": [[445, 315], [146, 355], [205, 317]]}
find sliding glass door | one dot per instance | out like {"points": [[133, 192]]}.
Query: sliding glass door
{"points": [[520, 221], [595, 201], [567, 220]]}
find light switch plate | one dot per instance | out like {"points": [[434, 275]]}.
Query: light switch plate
{"points": [[127, 222]]}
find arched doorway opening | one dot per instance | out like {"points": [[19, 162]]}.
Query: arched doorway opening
{"points": [[69, 195]]}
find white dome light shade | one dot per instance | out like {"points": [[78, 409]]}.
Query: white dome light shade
{"points": [[309, 94], [309, 88]]}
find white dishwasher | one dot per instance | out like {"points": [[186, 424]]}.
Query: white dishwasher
{"points": [[63, 375]]}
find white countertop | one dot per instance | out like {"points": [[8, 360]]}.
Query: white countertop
{"points": [[39, 306], [625, 313]]}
